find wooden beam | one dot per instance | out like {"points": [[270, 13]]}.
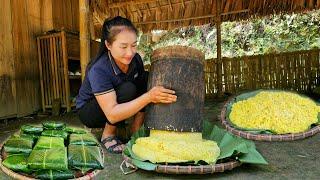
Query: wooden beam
{"points": [[174, 20], [84, 35], [191, 18], [183, 5], [170, 5], [132, 2], [235, 12], [219, 61]]}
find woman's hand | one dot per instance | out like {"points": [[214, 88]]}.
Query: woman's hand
{"points": [[159, 94]]}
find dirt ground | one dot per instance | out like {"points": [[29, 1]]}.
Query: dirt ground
{"points": [[287, 160]]}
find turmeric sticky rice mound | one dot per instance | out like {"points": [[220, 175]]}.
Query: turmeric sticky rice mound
{"points": [[176, 147], [279, 112]]}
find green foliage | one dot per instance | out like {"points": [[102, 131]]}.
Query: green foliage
{"points": [[272, 34]]}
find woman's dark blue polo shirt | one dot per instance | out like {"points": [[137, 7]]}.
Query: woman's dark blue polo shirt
{"points": [[104, 76]]}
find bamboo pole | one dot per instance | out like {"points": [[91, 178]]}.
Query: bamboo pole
{"points": [[84, 35], [219, 64], [65, 70], [41, 75]]}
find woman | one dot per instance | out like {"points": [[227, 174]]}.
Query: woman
{"points": [[115, 85]]}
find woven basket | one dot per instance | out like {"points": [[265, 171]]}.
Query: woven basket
{"points": [[190, 169], [263, 137], [15, 175]]}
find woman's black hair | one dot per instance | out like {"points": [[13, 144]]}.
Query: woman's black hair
{"points": [[109, 32]]}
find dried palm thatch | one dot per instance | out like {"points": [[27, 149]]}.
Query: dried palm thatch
{"points": [[169, 14]]}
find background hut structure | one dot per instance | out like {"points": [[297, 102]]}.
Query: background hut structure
{"points": [[298, 71], [21, 22]]}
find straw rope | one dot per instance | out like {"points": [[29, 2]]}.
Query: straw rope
{"points": [[263, 137]]}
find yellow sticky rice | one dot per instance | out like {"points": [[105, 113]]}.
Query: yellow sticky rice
{"points": [[280, 112], [175, 147]]}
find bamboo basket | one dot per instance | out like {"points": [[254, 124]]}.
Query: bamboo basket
{"points": [[191, 169], [263, 137]]}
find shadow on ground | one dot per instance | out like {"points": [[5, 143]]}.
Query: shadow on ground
{"points": [[287, 160]]}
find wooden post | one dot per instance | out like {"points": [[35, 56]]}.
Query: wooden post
{"points": [[65, 70], [219, 61], [84, 35]]}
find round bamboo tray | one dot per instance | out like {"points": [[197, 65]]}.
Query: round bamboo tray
{"points": [[18, 176], [192, 169], [263, 137]]}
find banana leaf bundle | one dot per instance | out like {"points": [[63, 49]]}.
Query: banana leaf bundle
{"points": [[34, 137], [54, 174], [83, 139], [46, 142], [31, 129], [17, 162], [54, 125], [55, 133], [75, 130], [81, 156], [18, 145], [54, 158]]}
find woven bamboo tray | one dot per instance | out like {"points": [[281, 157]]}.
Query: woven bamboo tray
{"points": [[18, 176], [191, 169], [263, 137]]}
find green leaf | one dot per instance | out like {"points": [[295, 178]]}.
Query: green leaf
{"points": [[231, 145], [144, 165], [253, 157]]}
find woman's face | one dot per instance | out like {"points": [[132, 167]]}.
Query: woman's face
{"points": [[124, 47]]}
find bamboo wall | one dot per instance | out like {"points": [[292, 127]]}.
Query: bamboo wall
{"points": [[298, 71], [20, 22]]}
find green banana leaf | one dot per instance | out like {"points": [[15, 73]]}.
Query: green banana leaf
{"points": [[46, 142], [230, 147], [75, 130], [55, 133], [54, 125], [244, 150], [17, 162], [31, 129], [54, 174], [83, 139], [17, 145], [85, 157], [54, 158]]}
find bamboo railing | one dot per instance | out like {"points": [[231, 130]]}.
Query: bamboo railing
{"points": [[299, 71]]}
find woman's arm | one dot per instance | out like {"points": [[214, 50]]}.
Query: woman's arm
{"points": [[117, 112]]}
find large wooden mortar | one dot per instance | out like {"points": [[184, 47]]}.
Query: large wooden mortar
{"points": [[181, 69]]}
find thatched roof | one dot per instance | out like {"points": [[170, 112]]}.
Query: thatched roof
{"points": [[168, 14]]}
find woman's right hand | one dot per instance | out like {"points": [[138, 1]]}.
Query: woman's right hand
{"points": [[159, 94]]}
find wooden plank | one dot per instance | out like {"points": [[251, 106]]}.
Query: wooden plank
{"points": [[52, 72], [61, 71], [23, 63], [84, 35], [40, 58], [65, 70], [48, 78], [34, 26], [7, 63], [55, 68], [218, 27]]}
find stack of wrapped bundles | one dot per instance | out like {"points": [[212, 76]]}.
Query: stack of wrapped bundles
{"points": [[52, 151]]}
